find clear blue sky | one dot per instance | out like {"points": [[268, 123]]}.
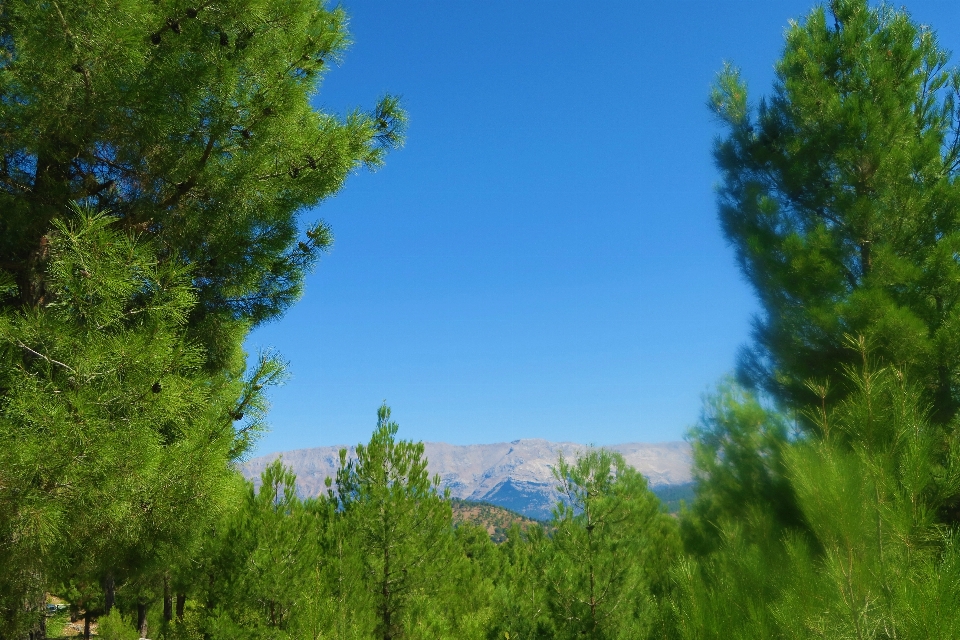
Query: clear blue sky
{"points": [[542, 259]]}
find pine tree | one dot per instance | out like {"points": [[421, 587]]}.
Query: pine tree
{"points": [[116, 440], [607, 539], [342, 603], [462, 604], [191, 124], [263, 563], [191, 128], [400, 522], [840, 198], [521, 594], [872, 560], [739, 469], [839, 194]]}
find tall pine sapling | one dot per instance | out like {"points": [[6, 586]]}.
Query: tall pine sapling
{"points": [[400, 519], [609, 534]]}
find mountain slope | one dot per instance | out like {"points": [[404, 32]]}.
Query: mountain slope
{"points": [[495, 519], [516, 475]]}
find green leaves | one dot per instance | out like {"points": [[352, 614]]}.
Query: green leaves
{"points": [[611, 543], [400, 522], [728, 96], [159, 159], [840, 197], [866, 554]]}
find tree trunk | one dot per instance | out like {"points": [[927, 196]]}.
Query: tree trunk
{"points": [[109, 594], [39, 631], [387, 630], [167, 599], [593, 586], [42, 626], [181, 601], [86, 625], [142, 618], [49, 197]]}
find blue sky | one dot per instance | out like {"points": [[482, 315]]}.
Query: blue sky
{"points": [[542, 259]]}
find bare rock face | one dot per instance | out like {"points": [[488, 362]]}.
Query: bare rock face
{"points": [[517, 475]]}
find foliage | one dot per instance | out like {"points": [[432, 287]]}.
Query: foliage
{"points": [[263, 561], [121, 442], [520, 597], [873, 560], [839, 194], [738, 449], [116, 627], [399, 519], [380, 556], [190, 124], [157, 161], [840, 198], [612, 539]]}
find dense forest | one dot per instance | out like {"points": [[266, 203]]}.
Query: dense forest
{"points": [[157, 160]]}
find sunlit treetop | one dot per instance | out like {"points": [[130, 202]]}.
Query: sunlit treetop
{"points": [[187, 121]]}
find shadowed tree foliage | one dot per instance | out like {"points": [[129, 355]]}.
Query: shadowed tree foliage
{"points": [[739, 468], [840, 198], [839, 195]]}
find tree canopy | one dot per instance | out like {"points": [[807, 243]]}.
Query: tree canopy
{"points": [[836, 516], [839, 194], [192, 124], [157, 162], [158, 158]]}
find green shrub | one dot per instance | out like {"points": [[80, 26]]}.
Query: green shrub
{"points": [[117, 627]]}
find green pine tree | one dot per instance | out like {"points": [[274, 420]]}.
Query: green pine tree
{"points": [[123, 398], [839, 194], [521, 593], [263, 563], [191, 124], [400, 522], [116, 440], [872, 561], [608, 544], [739, 468]]}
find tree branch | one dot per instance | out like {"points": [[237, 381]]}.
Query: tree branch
{"points": [[48, 359], [184, 187]]}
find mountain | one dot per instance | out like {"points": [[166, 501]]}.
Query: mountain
{"points": [[516, 475]]}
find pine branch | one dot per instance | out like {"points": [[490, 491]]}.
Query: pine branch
{"points": [[48, 359]]}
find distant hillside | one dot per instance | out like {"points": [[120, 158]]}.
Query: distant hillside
{"points": [[496, 520], [672, 495], [516, 475]]}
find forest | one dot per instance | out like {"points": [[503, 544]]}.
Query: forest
{"points": [[158, 158]]}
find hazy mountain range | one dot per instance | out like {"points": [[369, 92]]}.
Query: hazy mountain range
{"points": [[516, 475]]}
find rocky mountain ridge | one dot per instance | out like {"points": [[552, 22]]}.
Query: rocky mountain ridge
{"points": [[516, 475]]}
